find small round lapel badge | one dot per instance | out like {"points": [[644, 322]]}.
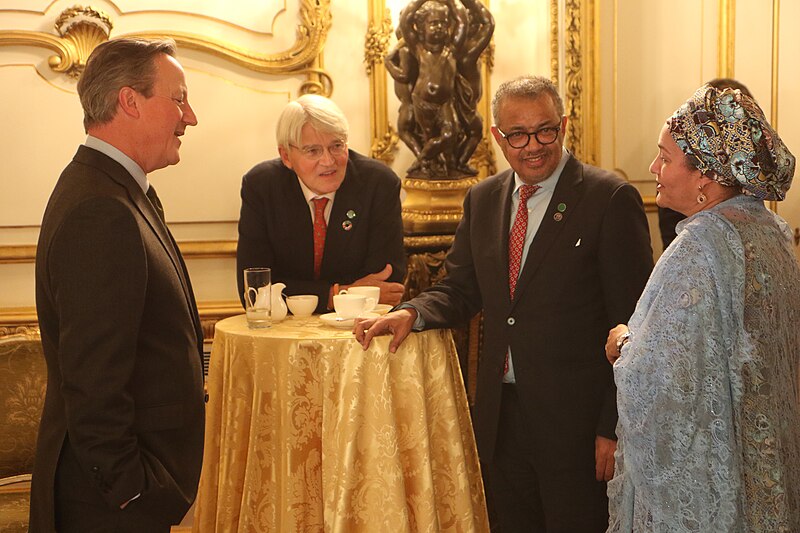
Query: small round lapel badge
{"points": [[351, 214], [557, 217], [562, 207], [347, 225]]}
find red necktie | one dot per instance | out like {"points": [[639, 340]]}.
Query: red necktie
{"points": [[516, 242], [320, 228]]}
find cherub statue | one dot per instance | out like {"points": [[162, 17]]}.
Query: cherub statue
{"points": [[437, 79]]}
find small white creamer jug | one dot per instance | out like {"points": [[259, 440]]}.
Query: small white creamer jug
{"points": [[278, 304]]}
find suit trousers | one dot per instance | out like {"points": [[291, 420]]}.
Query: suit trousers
{"points": [[527, 495]]}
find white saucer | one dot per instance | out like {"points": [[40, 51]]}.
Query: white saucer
{"points": [[382, 309], [332, 319]]}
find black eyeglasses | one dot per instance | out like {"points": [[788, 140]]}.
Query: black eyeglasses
{"points": [[521, 139]]}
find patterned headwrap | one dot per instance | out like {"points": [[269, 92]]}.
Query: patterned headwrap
{"points": [[725, 131]]}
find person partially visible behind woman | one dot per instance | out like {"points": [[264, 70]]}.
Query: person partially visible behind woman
{"points": [[709, 415]]}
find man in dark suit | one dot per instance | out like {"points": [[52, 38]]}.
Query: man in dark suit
{"points": [[549, 277], [322, 217], [121, 437]]}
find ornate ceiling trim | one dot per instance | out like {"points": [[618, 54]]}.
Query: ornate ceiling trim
{"points": [[80, 29]]}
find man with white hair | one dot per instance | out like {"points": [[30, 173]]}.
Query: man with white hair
{"points": [[321, 216]]}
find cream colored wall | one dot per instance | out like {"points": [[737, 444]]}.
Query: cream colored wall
{"points": [[766, 61], [655, 54], [236, 107], [652, 56]]}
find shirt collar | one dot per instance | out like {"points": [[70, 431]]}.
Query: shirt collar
{"points": [[310, 195], [548, 184], [116, 154]]}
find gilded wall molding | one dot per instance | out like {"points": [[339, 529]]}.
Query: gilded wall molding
{"points": [[384, 138], [79, 29], [554, 47], [85, 28], [427, 241], [23, 320], [26, 253], [727, 38], [581, 87], [776, 45]]}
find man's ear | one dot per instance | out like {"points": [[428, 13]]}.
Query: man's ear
{"points": [[128, 100], [496, 133], [284, 156]]}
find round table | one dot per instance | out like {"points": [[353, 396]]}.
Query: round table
{"points": [[306, 431]]}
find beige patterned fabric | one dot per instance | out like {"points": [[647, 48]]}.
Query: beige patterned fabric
{"points": [[14, 507], [306, 431], [23, 379]]}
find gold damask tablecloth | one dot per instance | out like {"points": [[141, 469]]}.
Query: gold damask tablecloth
{"points": [[305, 431]]}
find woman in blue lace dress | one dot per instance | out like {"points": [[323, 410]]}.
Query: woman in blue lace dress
{"points": [[707, 379]]}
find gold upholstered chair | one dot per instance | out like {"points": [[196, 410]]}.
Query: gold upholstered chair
{"points": [[23, 378]]}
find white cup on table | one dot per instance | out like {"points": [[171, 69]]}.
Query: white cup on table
{"points": [[352, 305], [372, 293], [302, 305]]}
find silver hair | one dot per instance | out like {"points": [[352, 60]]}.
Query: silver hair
{"points": [[530, 87], [323, 115]]}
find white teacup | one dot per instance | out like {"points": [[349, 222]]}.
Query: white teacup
{"points": [[370, 291], [352, 305], [302, 305]]}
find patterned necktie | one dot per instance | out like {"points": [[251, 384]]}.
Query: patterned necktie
{"points": [[516, 243], [320, 228], [151, 194]]}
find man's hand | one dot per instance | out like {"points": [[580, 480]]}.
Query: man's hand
{"points": [[398, 323], [604, 458], [612, 352], [391, 293]]}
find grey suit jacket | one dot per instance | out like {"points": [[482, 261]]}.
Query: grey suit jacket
{"points": [[124, 411], [583, 274]]}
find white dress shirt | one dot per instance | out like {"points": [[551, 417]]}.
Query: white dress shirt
{"points": [[117, 155], [311, 195]]}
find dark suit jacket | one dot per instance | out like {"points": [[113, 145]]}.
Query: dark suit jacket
{"points": [[583, 274], [276, 230], [124, 410]]}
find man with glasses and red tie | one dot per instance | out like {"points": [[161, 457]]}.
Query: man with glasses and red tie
{"points": [[321, 216], [553, 251]]}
